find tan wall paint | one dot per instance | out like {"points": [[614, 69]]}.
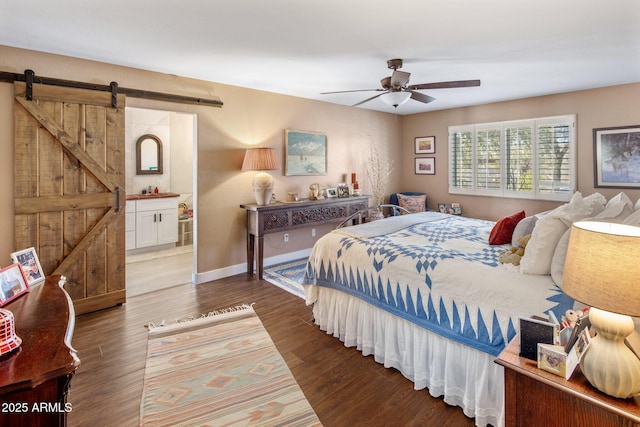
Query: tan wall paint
{"points": [[605, 107], [248, 117]]}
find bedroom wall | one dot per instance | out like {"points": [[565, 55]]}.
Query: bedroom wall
{"points": [[248, 117], [596, 108]]}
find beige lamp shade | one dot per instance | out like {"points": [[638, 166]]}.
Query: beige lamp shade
{"points": [[602, 268], [261, 159]]}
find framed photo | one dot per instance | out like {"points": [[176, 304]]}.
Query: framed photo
{"points": [[616, 157], [305, 153], [425, 165], [447, 208], [28, 259], [343, 190], [332, 192], [425, 144], [13, 283]]}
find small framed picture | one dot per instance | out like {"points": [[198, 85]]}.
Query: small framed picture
{"points": [[28, 259], [13, 283], [332, 192], [425, 144], [425, 165], [456, 209], [343, 190]]}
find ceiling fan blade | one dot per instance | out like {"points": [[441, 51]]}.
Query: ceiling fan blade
{"points": [[399, 78], [348, 91], [368, 99], [445, 85], [421, 97]]}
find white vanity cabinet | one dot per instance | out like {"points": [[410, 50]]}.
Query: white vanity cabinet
{"points": [[156, 222], [152, 221], [130, 220]]}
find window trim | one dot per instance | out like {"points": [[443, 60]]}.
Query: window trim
{"points": [[503, 192]]}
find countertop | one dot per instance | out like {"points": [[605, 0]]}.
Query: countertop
{"points": [[151, 196]]}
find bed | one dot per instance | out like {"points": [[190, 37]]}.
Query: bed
{"points": [[425, 294]]}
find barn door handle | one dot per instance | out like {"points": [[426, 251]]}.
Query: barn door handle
{"points": [[117, 199]]}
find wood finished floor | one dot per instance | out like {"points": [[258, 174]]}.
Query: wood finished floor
{"points": [[343, 387]]}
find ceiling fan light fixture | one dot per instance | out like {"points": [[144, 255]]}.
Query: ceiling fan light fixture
{"points": [[393, 99]]}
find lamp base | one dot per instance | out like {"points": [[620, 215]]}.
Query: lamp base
{"points": [[608, 363], [263, 188]]}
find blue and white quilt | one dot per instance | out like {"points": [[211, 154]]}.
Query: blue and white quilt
{"points": [[437, 271]]}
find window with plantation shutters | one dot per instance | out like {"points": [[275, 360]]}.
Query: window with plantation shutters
{"points": [[532, 158]]}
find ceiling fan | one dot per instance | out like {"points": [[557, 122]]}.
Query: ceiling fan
{"points": [[396, 91]]}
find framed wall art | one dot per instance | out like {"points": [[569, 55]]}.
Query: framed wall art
{"points": [[425, 165], [13, 283], [425, 145], [616, 154], [28, 259], [305, 153]]}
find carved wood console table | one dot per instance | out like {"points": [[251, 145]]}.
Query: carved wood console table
{"points": [[281, 216]]}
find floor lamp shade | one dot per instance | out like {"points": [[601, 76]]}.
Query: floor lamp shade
{"points": [[261, 159], [602, 270]]}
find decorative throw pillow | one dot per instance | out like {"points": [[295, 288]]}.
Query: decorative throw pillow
{"points": [[412, 203], [502, 232], [548, 232]]}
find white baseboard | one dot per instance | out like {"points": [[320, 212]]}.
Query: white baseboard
{"points": [[232, 270]]}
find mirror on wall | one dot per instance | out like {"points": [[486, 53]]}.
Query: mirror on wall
{"points": [[149, 155]]}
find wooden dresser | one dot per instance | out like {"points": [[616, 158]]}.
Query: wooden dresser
{"points": [[35, 378], [534, 397]]}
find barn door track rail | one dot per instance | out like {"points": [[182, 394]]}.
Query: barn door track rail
{"points": [[30, 78]]}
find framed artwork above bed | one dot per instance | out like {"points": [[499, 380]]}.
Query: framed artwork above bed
{"points": [[616, 154]]}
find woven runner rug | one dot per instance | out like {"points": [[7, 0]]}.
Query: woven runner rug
{"points": [[287, 275], [219, 370]]}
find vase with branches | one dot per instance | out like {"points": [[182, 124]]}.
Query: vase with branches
{"points": [[379, 169]]}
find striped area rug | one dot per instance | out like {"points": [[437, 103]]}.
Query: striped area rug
{"points": [[220, 370]]}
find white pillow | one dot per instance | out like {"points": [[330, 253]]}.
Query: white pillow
{"points": [[524, 227], [559, 257], [617, 208], [597, 202], [547, 233], [633, 219]]}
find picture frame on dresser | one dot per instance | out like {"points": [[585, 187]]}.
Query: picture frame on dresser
{"points": [[28, 259], [13, 283], [614, 152]]}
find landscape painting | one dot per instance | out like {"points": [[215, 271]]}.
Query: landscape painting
{"points": [[306, 153]]}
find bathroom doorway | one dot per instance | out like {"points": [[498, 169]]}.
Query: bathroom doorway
{"points": [[155, 267]]}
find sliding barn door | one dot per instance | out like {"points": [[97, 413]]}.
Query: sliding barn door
{"points": [[69, 189]]}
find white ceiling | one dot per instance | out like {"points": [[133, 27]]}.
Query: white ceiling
{"points": [[516, 48]]}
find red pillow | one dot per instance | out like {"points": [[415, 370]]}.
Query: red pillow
{"points": [[503, 230]]}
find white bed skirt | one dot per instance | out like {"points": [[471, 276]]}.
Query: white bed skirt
{"points": [[466, 377]]}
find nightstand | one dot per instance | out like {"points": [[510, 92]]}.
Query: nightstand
{"points": [[534, 397]]}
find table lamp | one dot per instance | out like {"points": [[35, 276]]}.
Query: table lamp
{"points": [[261, 159], [602, 270]]}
